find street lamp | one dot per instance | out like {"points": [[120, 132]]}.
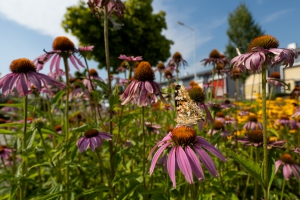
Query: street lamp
{"points": [[195, 65]]}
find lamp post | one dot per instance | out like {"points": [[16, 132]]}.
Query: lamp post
{"points": [[195, 65]]}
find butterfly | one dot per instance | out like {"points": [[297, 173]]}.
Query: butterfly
{"points": [[188, 113]]}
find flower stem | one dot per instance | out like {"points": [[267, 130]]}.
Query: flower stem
{"points": [[282, 189], [106, 44], [144, 150], [265, 134], [212, 83], [66, 124], [24, 161]]}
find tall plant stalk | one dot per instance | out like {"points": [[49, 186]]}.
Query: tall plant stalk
{"points": [[66, 124], [24, 162], [106, 44], [265, 134]]}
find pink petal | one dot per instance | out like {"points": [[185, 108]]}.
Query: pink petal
{"points": [[184, 164], [171, 163]]}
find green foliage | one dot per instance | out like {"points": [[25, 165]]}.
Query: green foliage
{"points": [[139, 36]]}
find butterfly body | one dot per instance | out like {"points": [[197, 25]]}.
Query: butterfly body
{"points": [[188, 113]]}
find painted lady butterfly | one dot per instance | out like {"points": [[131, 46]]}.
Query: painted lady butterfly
{"points": [[188, 113]]}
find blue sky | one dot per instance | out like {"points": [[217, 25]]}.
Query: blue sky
{"points": [[28, 27]]}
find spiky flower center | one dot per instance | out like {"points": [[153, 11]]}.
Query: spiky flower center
{"points": [[168, 73], [265, 41], [58, 128], [63, 43], [1, 150], [22, 65], [197, 94], [255, 136], [220, 66], [287, 158], [144, 72], [91, 133], [227, 101], [214, 54], [2, 121], [193, 83], [183, 136], [220, 114], [177, 57], [275, 75], [93, 72], [215, 107], [218, 125], [161, 66], [252, 118]]}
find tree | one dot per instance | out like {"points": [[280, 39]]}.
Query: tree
{"points": [[241, 31], [139, 36]]}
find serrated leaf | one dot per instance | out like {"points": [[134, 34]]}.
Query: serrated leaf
{"points": [[251, 167]]}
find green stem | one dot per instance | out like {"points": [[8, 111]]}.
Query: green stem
{"points": [[24, 162], [144, 150], [270, 94], [257, 159], [66, 125], [265, 134], [282, 189], [106, 44]]}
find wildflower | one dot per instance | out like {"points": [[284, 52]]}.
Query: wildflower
{"points": [[235, 73], [62, 47], [9, 109], [122, 67], [181, 147], [93, 75], [93, 139], [295, 94], [296, 150], [4, 152], [168, 74], [177, 58], [297, 112], [143, 89], [264, 50], [252, 123], [214, 58], [255, 138], [198, 96], [58, 129], [130, 58], [285, 121], [289, 166], [226, 104], [273, 79], [97, 6], [219, 127], [160, 67], [152, 127], [24, 74], [220, 116]]}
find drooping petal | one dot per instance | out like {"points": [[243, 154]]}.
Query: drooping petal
{"points": [[184, 164], [156, 156], [203, 143], [148, 87], [295, 172], [171, 163], [23, 85], [207, 161], [195, 163], [287, 172], [277, 165]]}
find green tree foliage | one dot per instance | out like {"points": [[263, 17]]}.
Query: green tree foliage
{"points": [[139, 36], [241, 31]]}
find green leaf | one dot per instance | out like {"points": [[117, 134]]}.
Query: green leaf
{"points": [[7, 132], [272, 130], [40, 164], [30, 138], [11, 124], [52, 196], [47, 130], [251, 167], [57, 97], [128, 191], [93, 190], [102, 85]]}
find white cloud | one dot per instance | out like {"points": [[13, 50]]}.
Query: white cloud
{"points": [[42, 16], [274, 16]]}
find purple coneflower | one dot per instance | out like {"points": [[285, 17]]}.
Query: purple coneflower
{"points": [[62, 47], [130, 58], [93, 139], [252, 123], [168, 74], [255, 138], [227, 104], [9, 109], [297, 112], [214, 58], [289, 166], [178, 60], [295, 94], [160, 67], [23, 76], [93, 75], [219, 127], [143, 89], [152, 127], [285, 121], [181, 147], [264, 50], [273, 79], [97, 7], [4, 152], [58, 129]]}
